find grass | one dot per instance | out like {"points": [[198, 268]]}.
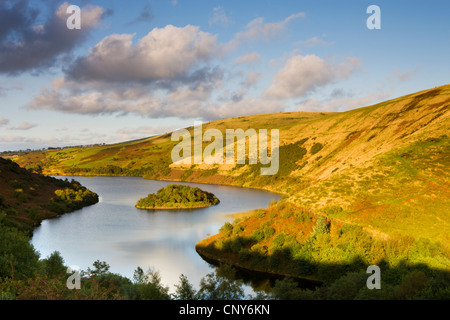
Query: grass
{"points": [[386, 165]]}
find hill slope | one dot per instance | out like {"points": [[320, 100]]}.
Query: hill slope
{"points": [[27, 198], [384, 167]]}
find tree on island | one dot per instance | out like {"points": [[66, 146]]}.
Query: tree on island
{"points": [[177, 197]]}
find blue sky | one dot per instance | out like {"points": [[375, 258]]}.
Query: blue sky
{"points": [[139, 68]]}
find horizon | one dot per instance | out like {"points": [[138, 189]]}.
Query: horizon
{"points": [[186, 61]]}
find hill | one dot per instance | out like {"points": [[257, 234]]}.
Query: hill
{"points": [[384, 167], [27, 198], [367, 186]]}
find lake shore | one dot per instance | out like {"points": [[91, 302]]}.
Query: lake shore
{"points": [[175, 208]]}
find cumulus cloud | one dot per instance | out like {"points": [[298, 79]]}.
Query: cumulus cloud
{"points": [[26, 45], [164, 53], [171, 72], [303, 74], [166, 73]]}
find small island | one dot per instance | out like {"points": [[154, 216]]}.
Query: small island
{"points": [[178, 197]]}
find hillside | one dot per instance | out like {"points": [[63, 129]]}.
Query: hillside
{"points": [[27, 198], [384, 167]]}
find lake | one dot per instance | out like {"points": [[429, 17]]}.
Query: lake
{"points": [[125, 237]]}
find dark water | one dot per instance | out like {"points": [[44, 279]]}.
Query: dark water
{"points": [[125, 237]]}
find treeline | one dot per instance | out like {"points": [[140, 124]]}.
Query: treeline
{"points": [[336, 254], [178, 196], [24, 276]]}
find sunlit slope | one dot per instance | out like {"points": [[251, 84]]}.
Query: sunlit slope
{"points": [[27, 198], [383, 166]]}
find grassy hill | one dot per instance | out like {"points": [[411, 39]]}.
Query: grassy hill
{"points": [[27, 198], [367, 186], [384, 167]]}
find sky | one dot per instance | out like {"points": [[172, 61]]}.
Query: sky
{"points": [[139, 68]]}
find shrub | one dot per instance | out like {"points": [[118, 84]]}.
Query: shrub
{"points": [[260, 214], [347, 287], [322, 226], [226, 229], [238, 229], [258, 235], [316, 148], [411, 285], [268, 232], [34, 215]]}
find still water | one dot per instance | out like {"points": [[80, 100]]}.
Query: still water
{"points": [[115, 231]]}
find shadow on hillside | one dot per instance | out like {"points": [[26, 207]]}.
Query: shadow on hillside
{"points": [[341, 281]]}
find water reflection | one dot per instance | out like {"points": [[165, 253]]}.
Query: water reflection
{"points": [[125, 237]]}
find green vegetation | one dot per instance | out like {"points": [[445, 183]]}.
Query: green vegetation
{"points": [[176, 197], [302, 245], [26, 198], [71, 199], [23, 276], [369, 185]]}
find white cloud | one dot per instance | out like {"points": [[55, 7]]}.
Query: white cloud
{"points": [[3, 122], [402, 75], [249, 58], [315, 41], [24, 126], [167, 53], [303, 74], [219, 16], [344, 104], [258, 29], [33, 46]]}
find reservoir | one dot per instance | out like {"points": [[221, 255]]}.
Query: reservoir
{"points": [[125, 237]]}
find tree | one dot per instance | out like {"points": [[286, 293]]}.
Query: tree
{"points": [[54, 265], [322, 227], [221, 285], [185, 290], [18, 258], [287, 289], [149, 286], [101, 267]]}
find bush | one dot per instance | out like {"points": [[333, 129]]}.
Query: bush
{"points": [[226, 229], [322, 226], [411, 285], [258, 235], [287, 289], [18, 257], [268, 232], [34, 215], [316, 148], [260, 214], [238, 229], [347, 287]]}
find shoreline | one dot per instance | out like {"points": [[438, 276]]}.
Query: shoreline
{"points": [[175, 208], [304, 281]]}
